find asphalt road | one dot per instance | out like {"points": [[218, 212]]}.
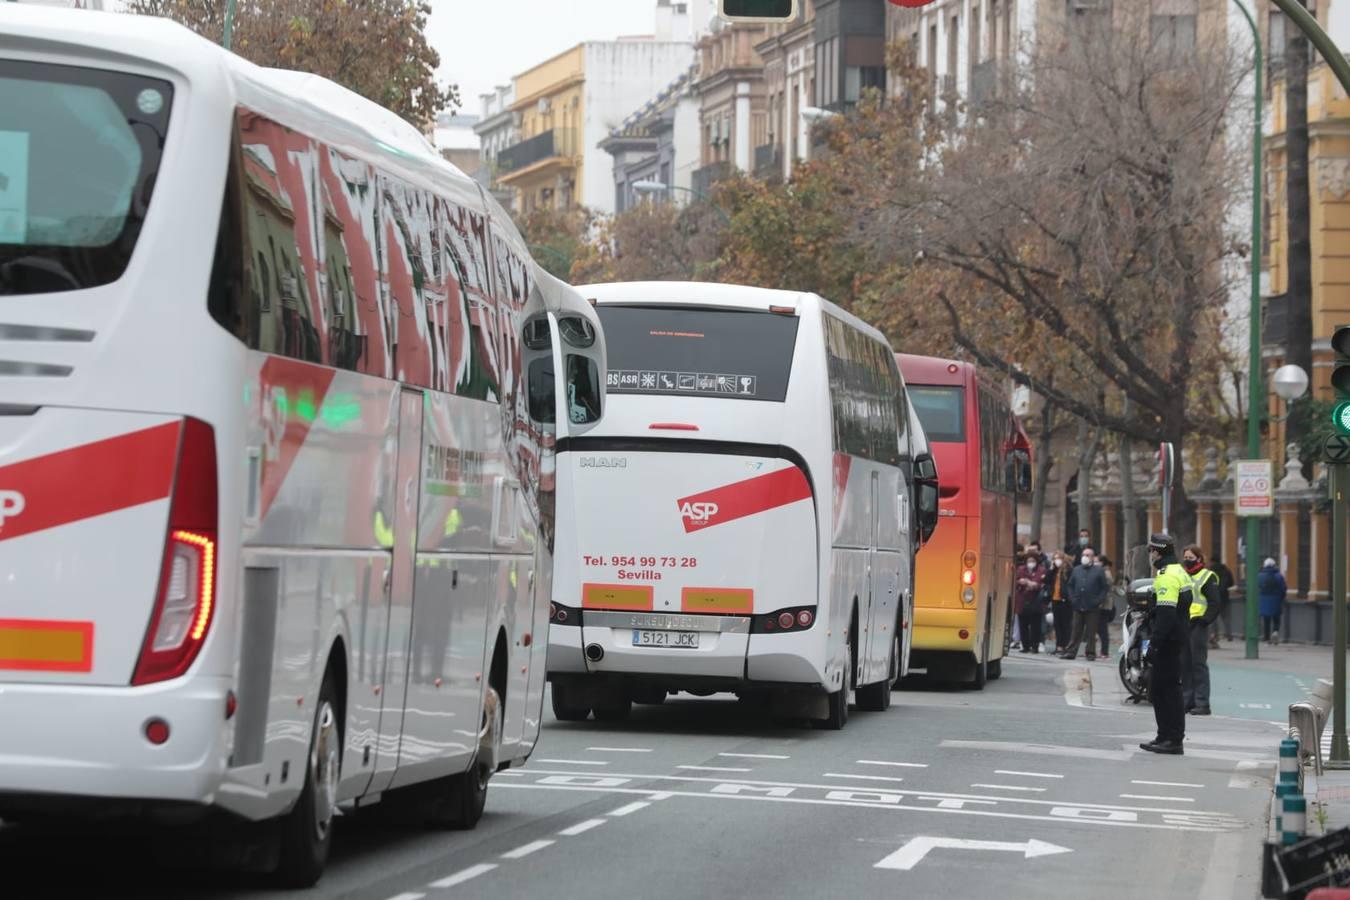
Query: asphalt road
{"points": [[1032, 788]]}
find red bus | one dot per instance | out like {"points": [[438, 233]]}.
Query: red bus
{"points": [[964, 574]]}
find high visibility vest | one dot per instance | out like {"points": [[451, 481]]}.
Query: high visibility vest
{"points": [[1199, 605], [1174, 587]]}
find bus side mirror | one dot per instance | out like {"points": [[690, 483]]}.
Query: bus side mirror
{"points": [[584, 397], [926, 499]]}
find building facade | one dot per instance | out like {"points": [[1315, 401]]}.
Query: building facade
{"points": [[567, 105], [647, 145], [733, 114], [850, 51], [496, 130], [789, 56]]}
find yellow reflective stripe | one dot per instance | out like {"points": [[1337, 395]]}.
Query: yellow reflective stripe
{"points": [[384, 535]]}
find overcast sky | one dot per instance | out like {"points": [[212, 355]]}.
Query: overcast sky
{"points": [[484, 43]]}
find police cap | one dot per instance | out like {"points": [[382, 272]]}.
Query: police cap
{"points": [[1161, 541]]}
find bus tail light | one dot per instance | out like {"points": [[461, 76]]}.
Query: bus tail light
{"points": [[792, 619], [186, 600], [968, 577], [968, 559]]}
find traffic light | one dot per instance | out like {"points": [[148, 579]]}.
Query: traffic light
{"points": [[1340, 378], [758, 10]]}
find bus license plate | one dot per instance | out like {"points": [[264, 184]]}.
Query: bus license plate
{"points": [[682, 639]]}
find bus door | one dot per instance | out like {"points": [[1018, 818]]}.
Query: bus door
{"points": [[407, 493], [883, 586]]}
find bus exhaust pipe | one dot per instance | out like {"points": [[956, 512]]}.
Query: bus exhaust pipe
{"points": [[594, 652]]}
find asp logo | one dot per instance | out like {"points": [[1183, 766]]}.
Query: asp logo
{"points": [[698, 513], [12, 503]]}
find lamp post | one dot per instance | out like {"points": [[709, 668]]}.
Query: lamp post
{"points": [[660, 187], [228, 34]]}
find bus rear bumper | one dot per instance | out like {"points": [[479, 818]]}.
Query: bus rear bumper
{"points": [[64, 744], [564, 649], [941, 629]]}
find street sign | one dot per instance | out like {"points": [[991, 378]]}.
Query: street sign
{"points": [[1337, 449], [910, 855], [1255, 487]]}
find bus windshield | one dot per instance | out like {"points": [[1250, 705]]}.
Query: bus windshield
{"points": [[941, 411], [79, 153], [696, 351]]}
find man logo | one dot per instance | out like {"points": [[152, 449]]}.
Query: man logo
{"points": [[11, 505], [698, 513]]}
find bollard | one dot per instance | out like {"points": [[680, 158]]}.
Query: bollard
{"points": [[1289, 761], [1295, 819], [1282, 790]]}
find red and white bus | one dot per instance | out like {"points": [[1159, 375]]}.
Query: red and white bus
{"points": [[277, 429], [742, 519], [964, 574]]}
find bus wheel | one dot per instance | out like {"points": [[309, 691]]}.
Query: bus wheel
{"points": [[464, 795], [306, 832], [877, 697], [837, 717], [614, 710], [565, 706], [981, 676]]}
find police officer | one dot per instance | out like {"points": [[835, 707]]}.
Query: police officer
{"points": [[1204, 610], [1172, 590]]}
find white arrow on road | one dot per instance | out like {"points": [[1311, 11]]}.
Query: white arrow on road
{"points": [[909, 856]]}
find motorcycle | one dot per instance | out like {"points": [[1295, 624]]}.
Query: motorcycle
{"points": [[1137, 627]]}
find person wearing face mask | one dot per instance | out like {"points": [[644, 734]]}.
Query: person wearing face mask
{"points": [[1030, 612], [1204, 609], [1087, 591], [1057, 595], [1172, 590], [1075, 550]]}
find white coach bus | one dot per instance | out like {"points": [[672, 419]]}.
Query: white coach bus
{"points": [[277, 436], [741, 519]]}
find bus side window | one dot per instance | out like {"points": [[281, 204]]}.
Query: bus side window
{"points": [[542, 393], [583, 390], [225, 290]]}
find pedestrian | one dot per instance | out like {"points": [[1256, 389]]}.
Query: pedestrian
{"points": [[1204, 610], [1107, 614], [1057, 595], [1272, 588], [1171, 604], [1075, 550], [1225, 576], [1030, 612], [1087, 592]]}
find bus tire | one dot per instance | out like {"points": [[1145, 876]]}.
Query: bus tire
{"points": [[877, 697], [464, 796], [996, 670], [306, 832], [981, 676], [614, 710], [837, 717], [565, 706]]}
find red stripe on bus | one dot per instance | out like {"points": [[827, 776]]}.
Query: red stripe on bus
{"points": [[744, 498], [304, 387], [89, 480]]}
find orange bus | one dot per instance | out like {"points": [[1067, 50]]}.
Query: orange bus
{"points": [[963, 589]]}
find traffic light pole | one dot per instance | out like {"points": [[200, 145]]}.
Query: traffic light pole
{"points": [[1340, 475]]}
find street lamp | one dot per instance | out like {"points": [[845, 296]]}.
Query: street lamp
{"points": [[1290, 382], [647, 186]]}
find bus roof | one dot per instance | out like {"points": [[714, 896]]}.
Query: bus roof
{"points": [[933, 369], [162, 42], [729, 296]]}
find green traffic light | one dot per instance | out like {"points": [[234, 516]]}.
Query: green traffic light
{"points": [[1340, 417]]}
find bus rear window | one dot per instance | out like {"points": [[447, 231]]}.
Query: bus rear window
{"points": [[79, 152], [682, 351], [941, 412]]}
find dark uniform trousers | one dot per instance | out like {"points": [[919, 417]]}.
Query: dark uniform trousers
{"points": [[1165, 691], [1195, 668]]}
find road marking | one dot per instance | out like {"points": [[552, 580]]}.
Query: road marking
{"points": [[464, 875], [879, 762], [526, 849], [1241, 781], [755, 755], [575, 762], [662, 795], [621, 779], [582, 827], [621, 749], [711, 769], [1246, 765], [1254, 705], [910, 855], [1208, 823], [1168, 784], [630, 808], [1159, 799], [407, 897], [1026, 774], [863, 777], [1009, 787], [509, 774], [1043, 749]]}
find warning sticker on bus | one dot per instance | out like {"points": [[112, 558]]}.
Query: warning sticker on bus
{"points": [[720, 383]]}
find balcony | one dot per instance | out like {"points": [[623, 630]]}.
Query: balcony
{"points": [[554, 144], [704, 178], [768, 161]]}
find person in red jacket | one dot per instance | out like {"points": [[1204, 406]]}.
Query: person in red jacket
{"points": [[1030, 611]]}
